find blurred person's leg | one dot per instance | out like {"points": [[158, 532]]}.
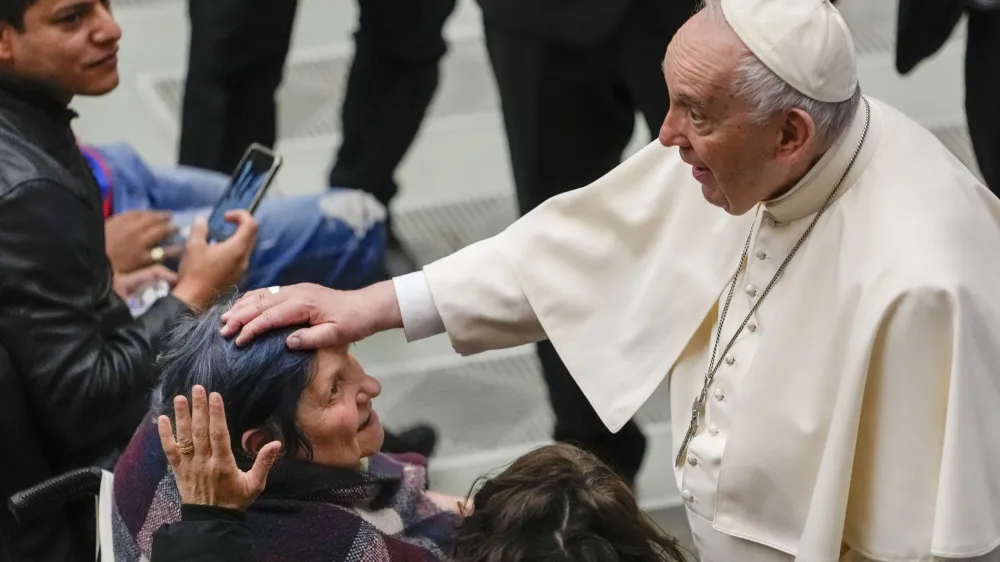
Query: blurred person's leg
{"points": [[311, 239], [335, 238], [568, 117], [645, 33], [137, 186], [392, 80], [982, 92], [235, 65]]}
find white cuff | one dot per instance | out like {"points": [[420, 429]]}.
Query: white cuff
{"points": [[421, 318]]}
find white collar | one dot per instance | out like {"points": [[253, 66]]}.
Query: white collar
{"points": [[809, 194]]}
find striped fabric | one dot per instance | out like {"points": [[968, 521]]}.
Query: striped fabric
{"points": [[307, 513]]}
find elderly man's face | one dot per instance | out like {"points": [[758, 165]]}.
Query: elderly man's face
{"points": [[732, 157], [335, 411]]}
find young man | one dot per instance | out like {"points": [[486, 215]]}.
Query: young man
{"points": [[85, 365]]}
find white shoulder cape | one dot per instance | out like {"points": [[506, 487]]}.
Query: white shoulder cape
{"points": [[871, 414]]}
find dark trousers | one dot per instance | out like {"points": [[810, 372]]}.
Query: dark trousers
{"points": [[982, 93], [235, 65], [237, 59], [569, 113], [393, 78]]}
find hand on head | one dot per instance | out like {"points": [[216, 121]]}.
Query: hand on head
{"points": [[202, 455], [207, 270], [131, 237], [335, 317]]}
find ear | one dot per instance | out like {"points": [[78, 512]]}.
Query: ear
{"points": [[253, 440], [797, 132], [7, 33]]}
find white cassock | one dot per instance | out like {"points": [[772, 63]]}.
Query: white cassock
{"points": [[857, 417]]}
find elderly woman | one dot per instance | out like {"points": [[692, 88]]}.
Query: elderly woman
{"points": [[556, 503], [331, 495]]}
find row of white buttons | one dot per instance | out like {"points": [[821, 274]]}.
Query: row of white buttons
{"points": [[693, 461], [751, 292], [713, 431], [761, 255]]}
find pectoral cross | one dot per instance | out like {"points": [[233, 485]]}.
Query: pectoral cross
{"points": [[692, 430]]}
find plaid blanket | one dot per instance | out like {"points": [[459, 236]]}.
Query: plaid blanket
{"points": [[307, 513]]}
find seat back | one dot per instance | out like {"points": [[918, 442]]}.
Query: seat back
{"points": [[105, 518], [23, 465]]}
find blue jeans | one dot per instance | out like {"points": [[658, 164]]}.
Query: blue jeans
{"points": [[336, 239]]}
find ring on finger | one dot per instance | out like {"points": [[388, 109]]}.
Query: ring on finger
{"points": [[157, 254], [274, 290], [186, 449]]}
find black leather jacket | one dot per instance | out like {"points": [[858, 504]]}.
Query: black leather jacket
{"points": [[86, 365]]}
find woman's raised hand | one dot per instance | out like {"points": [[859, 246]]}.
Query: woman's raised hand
{"points": [[202, 458]]}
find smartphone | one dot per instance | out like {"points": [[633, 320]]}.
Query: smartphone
{"points": [[246, 189]]}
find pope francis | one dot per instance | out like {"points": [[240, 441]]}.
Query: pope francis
{"points": [[812, 272]]}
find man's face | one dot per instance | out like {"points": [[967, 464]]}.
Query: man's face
{"points": [[68, 47], [732, 157]]}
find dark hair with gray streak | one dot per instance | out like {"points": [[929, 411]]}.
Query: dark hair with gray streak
{"points": [[260, 383]]}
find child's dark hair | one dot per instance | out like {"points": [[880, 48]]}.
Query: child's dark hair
{"points": [[560, 504]]}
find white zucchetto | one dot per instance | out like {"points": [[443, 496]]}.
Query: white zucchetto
{"points": [[805, 42]]}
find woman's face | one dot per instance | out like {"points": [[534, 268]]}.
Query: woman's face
{"points": [[335, 411]]}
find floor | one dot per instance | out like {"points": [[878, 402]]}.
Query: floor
{"points": [[456, 189]]}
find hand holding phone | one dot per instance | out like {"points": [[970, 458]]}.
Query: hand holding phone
{"points": [[208, 270], [249, 184]]}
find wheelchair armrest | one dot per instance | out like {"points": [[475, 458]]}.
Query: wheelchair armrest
{"points": [[54, 492]]}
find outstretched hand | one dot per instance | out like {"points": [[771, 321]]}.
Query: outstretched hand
{"points": [[202, 456], [334, 317]]}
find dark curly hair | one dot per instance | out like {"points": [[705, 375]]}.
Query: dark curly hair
{"points": [[560, 504]]}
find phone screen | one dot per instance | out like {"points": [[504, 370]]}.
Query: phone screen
{"points": [[249, 182]]}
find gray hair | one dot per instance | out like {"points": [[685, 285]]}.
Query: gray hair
{"points": [[260, 383], [769, 94]]}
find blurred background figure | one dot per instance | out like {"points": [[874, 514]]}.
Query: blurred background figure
{"points": [[924, 28], [571, 80], [236, 61]]}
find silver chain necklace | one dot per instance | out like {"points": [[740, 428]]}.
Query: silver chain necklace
{"points": [[699, 402]]}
